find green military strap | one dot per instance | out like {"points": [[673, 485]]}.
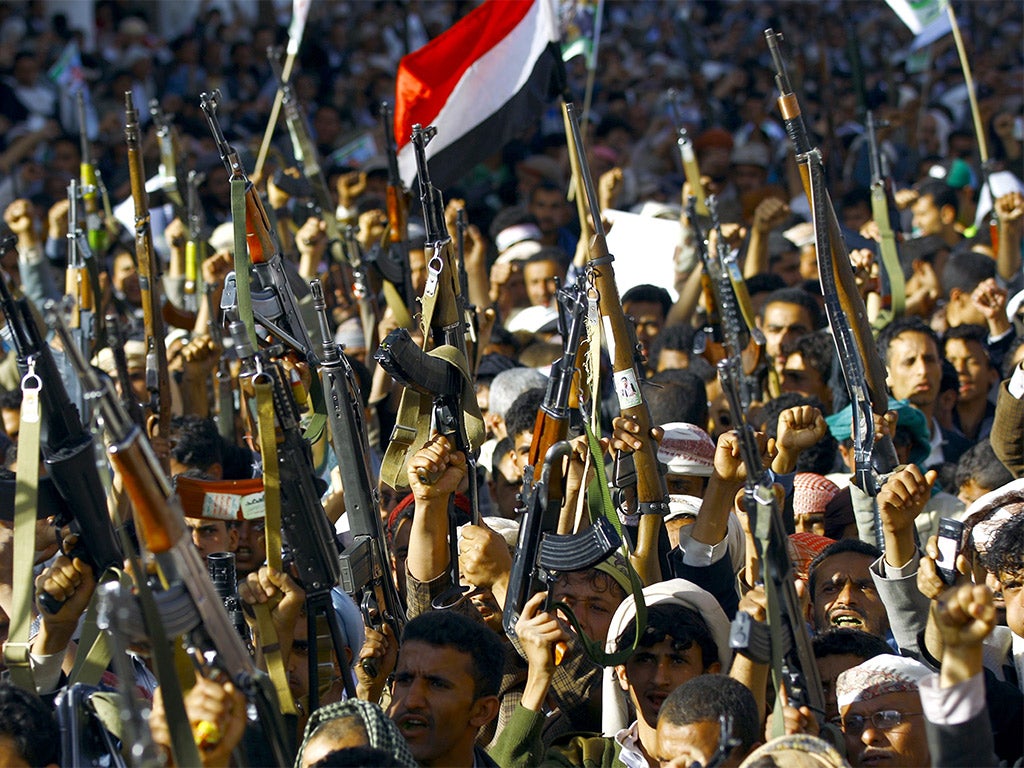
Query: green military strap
{"points": [[94, 652], [890, 257], [593, 648], [243, 264], [396, 304], [412, 423], [269, 644], [18, 646], [412, 426]]}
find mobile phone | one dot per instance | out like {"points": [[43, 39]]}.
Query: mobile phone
{"points": [[950, 537]]}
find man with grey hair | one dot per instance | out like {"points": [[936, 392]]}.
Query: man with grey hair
{"points": [[505, 388]]}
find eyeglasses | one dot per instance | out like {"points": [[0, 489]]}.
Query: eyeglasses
{"points": [[884, 720]]}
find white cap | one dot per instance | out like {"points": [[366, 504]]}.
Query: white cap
{"points": [[687, 449]]}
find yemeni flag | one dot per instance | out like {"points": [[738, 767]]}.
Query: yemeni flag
{"points": [[480, 84]]}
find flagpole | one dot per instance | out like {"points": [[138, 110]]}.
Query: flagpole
{"points": [[592, 66], [969, 81]]}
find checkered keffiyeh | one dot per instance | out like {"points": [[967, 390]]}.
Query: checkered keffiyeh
{"points": [[381, 731], [878, 676], [812, 493]]}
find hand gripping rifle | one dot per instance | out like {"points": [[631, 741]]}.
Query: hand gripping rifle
{"points": [[158, 380], [67, 446], [882, 206], [861, 366], [365, 567], [161, 526], [304, 524], [652, 494], [275, 306]]}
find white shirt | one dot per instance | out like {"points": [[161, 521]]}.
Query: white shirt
{"points": [[631, 755]]}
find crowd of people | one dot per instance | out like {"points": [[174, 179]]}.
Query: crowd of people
{"points": [[909, 594]]}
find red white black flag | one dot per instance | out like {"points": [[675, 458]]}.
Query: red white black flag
{"points": [[480, 83]]}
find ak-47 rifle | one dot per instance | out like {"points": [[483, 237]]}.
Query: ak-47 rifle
{"points": [[391, 260], [275, 306], [442, 375], [546, 544], [365, 567], [304, 524], [225, 394], [67, 446], [304, 149], [652, 494], [468, 310], [90, 187], [195, 243], [158, 380], [116, 341], [360, 286], [691, 169], [882, 205], [861, 366], [160, 524], [77, 280], [168, 168], [789, 646]]}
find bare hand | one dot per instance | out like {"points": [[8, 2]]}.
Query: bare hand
{"points": [[350, 186], [929, 583], [57, 219], [729, 464], [800, 428], [484, 558], [903, 497], [539, 632], [609, 187], [769, 214], [965, 615]]}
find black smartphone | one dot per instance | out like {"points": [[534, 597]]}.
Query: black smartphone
{"points": [[950, 537]]}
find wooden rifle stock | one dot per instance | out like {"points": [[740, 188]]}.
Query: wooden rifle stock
{"points": [[652, 493], [396, 196], [157, 376]]}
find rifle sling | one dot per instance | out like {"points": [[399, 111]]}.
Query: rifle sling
{"points": [[891, 267], [412, 424], [18, 645], [270, 646], [243, 264], [593, 647]]}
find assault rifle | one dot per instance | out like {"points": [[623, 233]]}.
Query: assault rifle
{"points": [[365, 566], [788, 648], [304, 149], [546, 544], [652, 494], [168, 168], [882, 205], [861, 366], [77, 279], [225, 394], [116, 341], [440, 379], [158, 380], [67, 446], [195, 244], [161, 526], [90, 187], [275, 306], [691, 169], [304, 524], [391, 259]]}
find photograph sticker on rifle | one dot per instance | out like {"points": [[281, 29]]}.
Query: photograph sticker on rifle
{"points": [[627, 389]]}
